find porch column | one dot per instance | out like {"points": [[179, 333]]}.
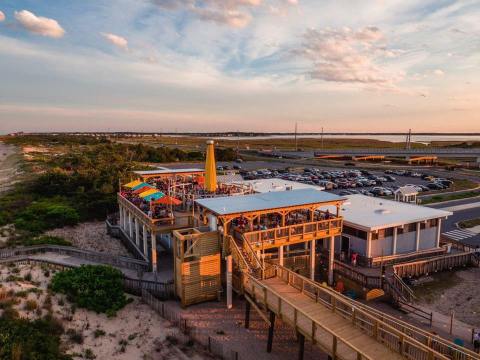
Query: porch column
{"points": [[417, 240], [124, 217], [369, 244], [394, 245], [145, 239], [229, 281], [312, 260], [439, 231], [331, 259], [280, 255], [130, 225], [154, 252], [137, 232], [120, 214]]}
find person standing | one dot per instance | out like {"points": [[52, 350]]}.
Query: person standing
{"points": [[476, 341]]}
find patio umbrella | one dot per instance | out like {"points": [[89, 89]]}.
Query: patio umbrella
{"points": [[155, 196], [142, 189], [132, 184], [138, 186], [210, 168], [168, 200], [148, 192]]}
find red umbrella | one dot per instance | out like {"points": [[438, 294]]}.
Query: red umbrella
{"points": [[168, 200]]}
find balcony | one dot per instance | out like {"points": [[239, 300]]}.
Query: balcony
{"points": [[292, 234]]}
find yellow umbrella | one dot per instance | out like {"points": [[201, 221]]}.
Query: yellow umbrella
{"points": [[210, 168], [148, 192], [133, 184]]}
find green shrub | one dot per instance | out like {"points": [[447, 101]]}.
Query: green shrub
{"points": [[98, 332], [23, 339], [94, 287], [31, 305], [47, 240], [75, 336]]}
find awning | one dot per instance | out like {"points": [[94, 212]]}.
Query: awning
{"points": [[168, 200], [148, 192], [157, 196], [133, 183]]}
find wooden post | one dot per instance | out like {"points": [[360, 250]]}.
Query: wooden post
{"points": [[280, 255], [312, 260], [137, 232], [130, 227], [439, 231], [270, 332], [331, 259], [154, 252], [452, 317], [229, 282], [301, 346], [247, 314]]}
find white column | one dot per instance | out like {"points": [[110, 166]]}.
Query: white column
{"points": [[394, 247], [417, 240], [124, 217], [280, 255], [312, 260], [120, 213], [331, 259], [439, 231], [145, 240], [130, 225], [229, 281], [369, 244], [154, 251], [137, 232]]}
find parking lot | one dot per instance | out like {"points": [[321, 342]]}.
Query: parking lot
{"points": [[343, 181]]}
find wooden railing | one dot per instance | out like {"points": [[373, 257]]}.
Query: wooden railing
{"points": [[429, 266], [384, 333], [118, 261], [393, 259], [263, 239], [404, 289], [368, 281]]}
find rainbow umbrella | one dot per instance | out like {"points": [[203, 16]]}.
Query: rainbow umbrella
{"points": [[143, 189], [168, 200], [133, 183], [148, 192], [155, 196]]}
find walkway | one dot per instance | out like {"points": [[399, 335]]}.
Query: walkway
{"points": [[335, 322]]}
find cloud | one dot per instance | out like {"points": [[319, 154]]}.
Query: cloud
{"points": [[116, 40], [2, 16], [438, 72], [347, 56], [234, 13], [39, 25]]}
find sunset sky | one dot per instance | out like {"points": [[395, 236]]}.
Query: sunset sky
{"points": [[247, 65]]}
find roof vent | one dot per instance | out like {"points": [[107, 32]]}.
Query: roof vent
{"points": [[383, 211]]}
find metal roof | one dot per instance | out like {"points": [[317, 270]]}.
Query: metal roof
{"points": [[371, 213], [276, 184], [266, 201]]}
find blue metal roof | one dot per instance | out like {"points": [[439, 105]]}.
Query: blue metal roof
{"points": [[266, 201]]}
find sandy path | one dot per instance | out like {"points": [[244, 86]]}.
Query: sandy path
{"points": [[91, 236]]}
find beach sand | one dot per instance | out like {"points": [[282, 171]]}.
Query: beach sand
{"points": [[91, 236], [137, 332]]}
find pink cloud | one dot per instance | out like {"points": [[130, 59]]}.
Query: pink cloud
{"points": [[116, 40], [39, 25], [2, 16]]}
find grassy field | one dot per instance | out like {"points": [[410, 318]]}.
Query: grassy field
{"points": [[449, 197]]}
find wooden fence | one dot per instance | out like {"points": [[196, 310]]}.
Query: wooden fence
{"points": [[117, 261]]}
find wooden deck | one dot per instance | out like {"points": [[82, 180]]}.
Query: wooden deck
{"points": [[331, 321], [336, 323]]}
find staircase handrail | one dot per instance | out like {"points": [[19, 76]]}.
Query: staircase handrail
{"points": [[235, 249], [248, 247], [407, 293]]}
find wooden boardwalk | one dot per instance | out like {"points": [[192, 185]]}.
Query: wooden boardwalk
{"points": [[333, 322]]}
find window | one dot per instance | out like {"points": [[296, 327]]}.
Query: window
{"points": [[354, 232], [423, 225], [433, 223], [411, 227]]}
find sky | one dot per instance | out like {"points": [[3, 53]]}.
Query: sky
{"points": [[240, 65]]}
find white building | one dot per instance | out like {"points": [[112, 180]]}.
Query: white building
{"points": [[379, 229], [276, 184], [406, 194]]}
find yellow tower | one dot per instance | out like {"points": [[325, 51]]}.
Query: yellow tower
{"points": [[210, 168]]}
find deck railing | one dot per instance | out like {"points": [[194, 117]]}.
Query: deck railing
{"points": [[385, 333], [293, 233]]}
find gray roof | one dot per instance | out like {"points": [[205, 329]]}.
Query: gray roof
{"points": [[167, 171], [266, 201]]}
